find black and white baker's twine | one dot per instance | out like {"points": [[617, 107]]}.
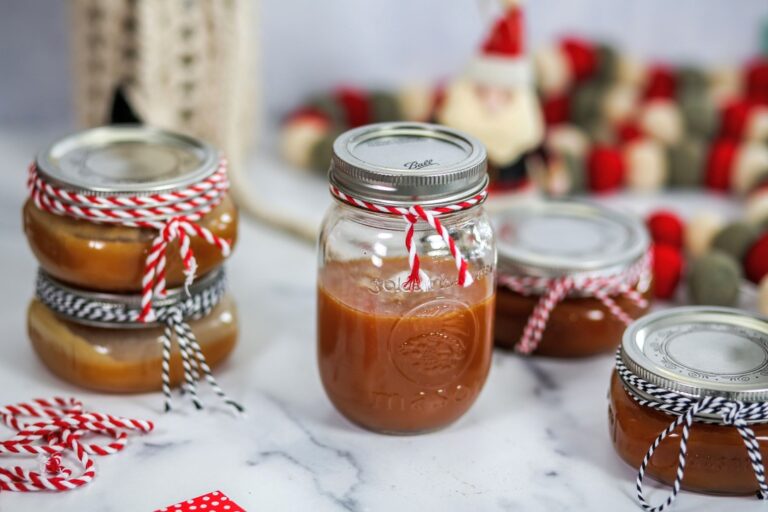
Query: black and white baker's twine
{"points": [[731, 412], [172, 313]]}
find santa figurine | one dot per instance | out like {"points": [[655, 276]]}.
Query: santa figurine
{"points": [[495, 100]]}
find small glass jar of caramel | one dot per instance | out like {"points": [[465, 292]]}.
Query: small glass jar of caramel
{"points": [[95, 340], [82, 241], [572, 275], [698, 376], [406, 283]]}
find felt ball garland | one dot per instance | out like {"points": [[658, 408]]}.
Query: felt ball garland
{"points": [[615, 122]]}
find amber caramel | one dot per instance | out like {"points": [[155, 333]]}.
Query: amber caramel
{"points": [[717, 459], [111, 258], [123, 360], [577, 326], [397, 361]]}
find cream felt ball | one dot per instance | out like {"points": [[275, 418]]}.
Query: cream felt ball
{"points": [[567, 139], [662, 120], [757, 126], [750, 164], [620, 103], [553, 76], [646, 165], [756, 209], [630, 70], [416, 102], [700, 231], [298, 136], [726, 82]]}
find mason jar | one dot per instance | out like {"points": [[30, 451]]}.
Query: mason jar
{"points": [[572, 275], [406, 280], [124, 164], [95, 340], [689, 399]]}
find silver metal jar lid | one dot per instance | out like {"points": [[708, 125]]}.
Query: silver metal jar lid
{"points": [[126, 159], [701, 351], [401, 164], [556, 238], [121, 310]]}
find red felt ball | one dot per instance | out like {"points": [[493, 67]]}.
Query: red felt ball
{"points": [[666, 228], [756, 260], [757, 80], [605, 168], [667, 270], [582, 57], [717, 175], [734, 117], [660, 83], [356, 107], [629, 131], [556, 109]]}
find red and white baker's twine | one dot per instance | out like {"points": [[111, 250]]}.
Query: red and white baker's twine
{"points": [[412, 216], [173, 214], [51, 428], [555, 290]]}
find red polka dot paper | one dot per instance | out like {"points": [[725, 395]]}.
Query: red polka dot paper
{"points": [[215, 501]]}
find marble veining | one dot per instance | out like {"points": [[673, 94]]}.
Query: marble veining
{"points": [[536, 439]]}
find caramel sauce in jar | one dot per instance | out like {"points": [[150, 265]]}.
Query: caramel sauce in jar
{"points": [[691, 353], [396, 361], [577, 327], [544, 242], [123, 360], [717, 460]]}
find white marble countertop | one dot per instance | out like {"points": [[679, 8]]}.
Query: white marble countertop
{"points": [[536, 440]]}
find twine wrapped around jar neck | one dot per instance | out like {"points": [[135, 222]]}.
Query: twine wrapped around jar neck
{"points": [[412, 216]]}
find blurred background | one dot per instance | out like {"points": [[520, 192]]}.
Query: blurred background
{"points": [[304, 46]]}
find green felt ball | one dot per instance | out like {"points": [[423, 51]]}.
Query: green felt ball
{"points": [[607, 64], [384, 107], [685, 162], [735, 239], [714, 280], [586, 103], [691, 79], [577, 174], [699, 113], [321, 153], [328, 106]]}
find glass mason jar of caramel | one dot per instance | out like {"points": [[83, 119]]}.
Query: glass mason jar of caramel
{"points": [[698, 376], [124, 162], [95, 340], [406, 282], [572, 275]]}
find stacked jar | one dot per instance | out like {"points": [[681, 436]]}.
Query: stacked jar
{"points": [[131, 226]]}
